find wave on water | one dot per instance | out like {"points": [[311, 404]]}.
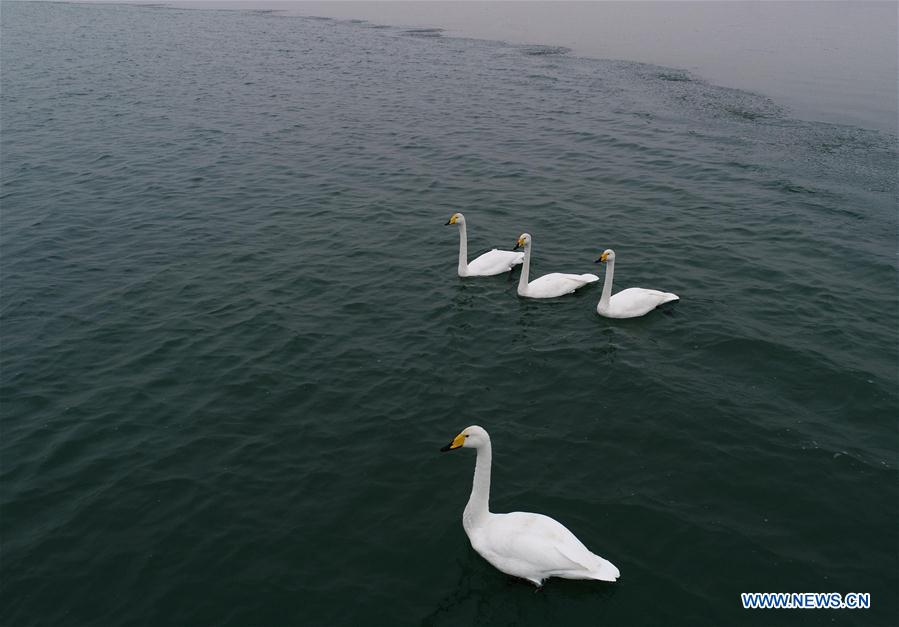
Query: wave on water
{"points": [[235, 337], [423, 32], [675, 76], [536, 50]]}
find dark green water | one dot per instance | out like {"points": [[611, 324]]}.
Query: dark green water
{"points": [[233, 338]]}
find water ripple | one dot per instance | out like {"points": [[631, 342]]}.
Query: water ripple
{"points": [[234, 338]]}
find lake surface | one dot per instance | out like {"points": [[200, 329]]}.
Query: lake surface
{"points": [[825, 61], [234, 340]]}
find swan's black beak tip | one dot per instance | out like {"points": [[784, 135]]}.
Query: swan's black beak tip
{"points": [[516, 247], [448, 222], [444, 449], [598, 260]]}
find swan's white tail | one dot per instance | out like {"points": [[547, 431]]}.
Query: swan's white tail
{"points": [[607, 571], [590, 278], [669, 297]]}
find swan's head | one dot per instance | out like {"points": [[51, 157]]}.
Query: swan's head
{"points": [[524, 240], [607, 255], [471, 437], [456, 218]]}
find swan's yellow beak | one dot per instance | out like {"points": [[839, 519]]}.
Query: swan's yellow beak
{"points": [[603, 257], [453, 218], [519, 243], [458, 441]]}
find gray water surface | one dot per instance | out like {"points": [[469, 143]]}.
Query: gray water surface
{"points": [[233, 337], [825, 61]]}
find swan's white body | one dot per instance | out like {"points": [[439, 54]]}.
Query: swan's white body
{"points": [[531, 546], [630, 303], [490, 263], [549, 285]]}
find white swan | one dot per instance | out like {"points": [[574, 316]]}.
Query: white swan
{"points": [[531, 546], [549, 285], [630, 303], [490, 263]]}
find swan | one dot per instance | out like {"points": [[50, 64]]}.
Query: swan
{"points": [[549, 285], [630, 303], [490, 263], [531, 546]]}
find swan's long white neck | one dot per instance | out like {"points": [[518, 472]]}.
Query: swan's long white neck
{"points": [[525, 270], [478, 507], [463, 250], [607, 285]]}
